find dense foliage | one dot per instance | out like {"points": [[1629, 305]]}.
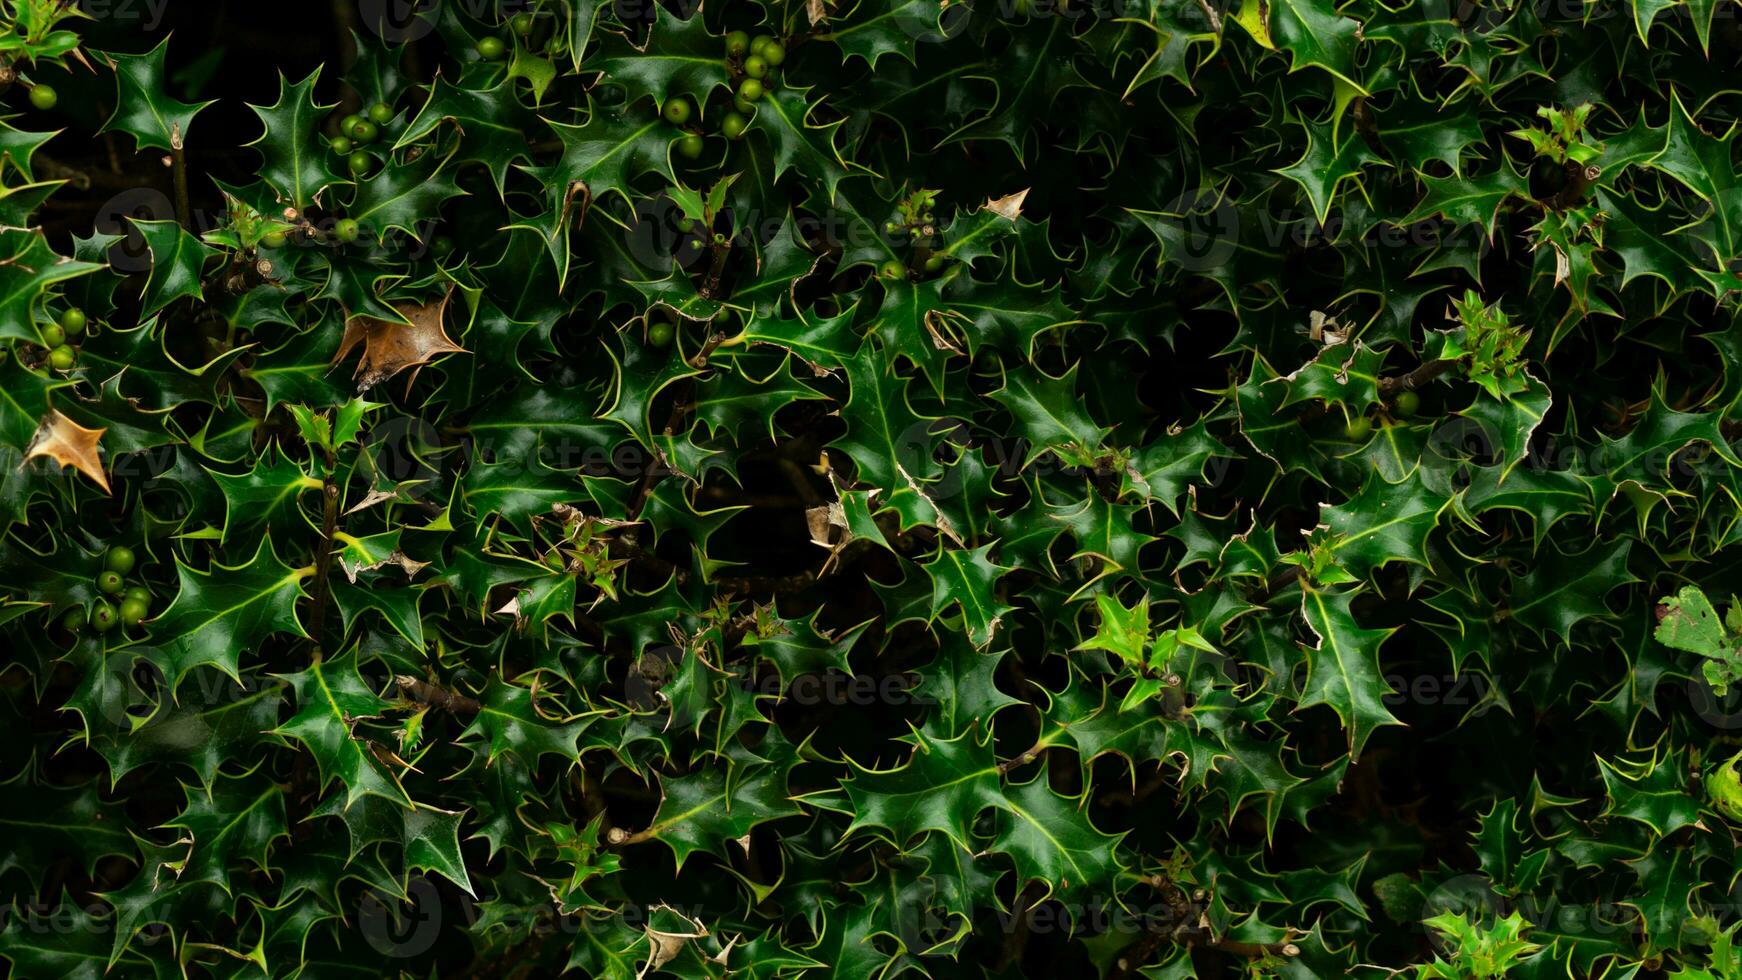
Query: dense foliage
{"points": [[854, 489]]}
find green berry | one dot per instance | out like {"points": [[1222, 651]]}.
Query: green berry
{"points": [[690, 147], [364, 132], [346, 123], [762, 41], [737, 42], [750, 89], [1407, 403], [380, 113], [43, 97], [133, 612], [342, 145], [893, 270], [743, 105], [934, 262], [755, 67], [521, 23], [73, 321], [677, 111], [120, 559], [733, 126], [1358, 427], [491, 48], [103, 616], [273, 239], [111, 582], [137, 593], [52, 335], [346, 230], [660, 334], [773, 52], [74, 620], [359, 162], [62, 358]]}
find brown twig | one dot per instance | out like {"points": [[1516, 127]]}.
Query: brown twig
{"points": [[1138, 953], [1210, 13], [324, 559], [708, 347], [722, 250], [1288, 577], [777, 584], [1028, 755], [178, 163], [452, 702], [1416, 378], [55, 170], [658, 466], [1580, 178], [86, 179]]}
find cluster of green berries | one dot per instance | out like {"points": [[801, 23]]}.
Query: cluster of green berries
{"points": [[358, 130], [919, 232], [1406, 403], [493, 48], [757, 59], [126, 605], [61, 354]]}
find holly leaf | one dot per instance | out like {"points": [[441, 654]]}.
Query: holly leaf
{"points": [[1564, 589], [394, 346], [219, 613], [709, 810], [943, 786], [1329, 160], [1343, 671], [178, 261], [143, 109], [491, 123], [330, 700], [968, 579], [1051, 841], [294, 163]]}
